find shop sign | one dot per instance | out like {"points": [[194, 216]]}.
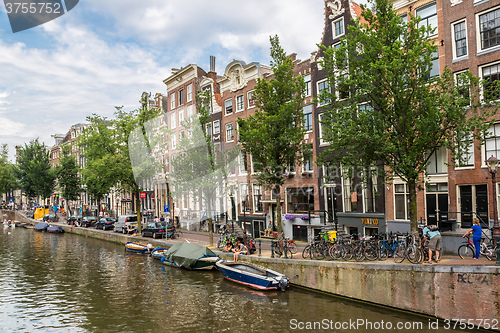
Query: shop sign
{"points": [[369, 221]]}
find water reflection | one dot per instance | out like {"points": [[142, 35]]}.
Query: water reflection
{"points": [[60, 283]]}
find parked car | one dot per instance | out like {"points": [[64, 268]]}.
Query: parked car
{"points": [[155, 230], [125, 222], [105, 223], [74, 218], [88, 221]]}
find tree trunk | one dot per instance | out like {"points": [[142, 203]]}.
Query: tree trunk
{"points": [[138, 206], [278, 212], [412, 189]]}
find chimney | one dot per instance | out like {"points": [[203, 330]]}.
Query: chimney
{"points": [[212, 63]]}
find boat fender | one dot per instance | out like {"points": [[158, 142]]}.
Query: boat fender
{"points": [[162, 259], [283, 283], [150, 247]]}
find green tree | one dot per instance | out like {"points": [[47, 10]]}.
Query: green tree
{"points": [[7, 177], [68, 175], [274, 135], [387, 106], [34, 171]]}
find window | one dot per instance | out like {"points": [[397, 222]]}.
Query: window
{"points": [[460, 39], [428, 15], [189, 93], [467, 150], [229, 132], [174, 140], [321, 129], [240, 103], [228, 105], [209, 129], [370, 189], [217, 127], [433, 71], [308, 163], [257, 199], [401, 202], [172, 101], [181, 96], [404, 17], [189, 111], [307, 109], [181, 117], [243, 162], [349, 192], [491, 75], [299, 199], [489, 29], [463, 86], [244, 198], [307, 80], [342, 87], [492, 142], [173, 123], [323, 86], [251, 100], [338, 28], [437, 162]]}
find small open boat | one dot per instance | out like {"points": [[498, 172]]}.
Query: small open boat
{"points": [[55, 229], [158, 252], [42, 226], [252, 275], [190, 256], [137, 247]]}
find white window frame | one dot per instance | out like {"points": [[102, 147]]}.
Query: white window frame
{"points": [[216, 127], [173, 123], [172, 101], [478, 31], [254, 202], [174, 140], [454, 42], [181, 117], [189, 111], [189, 93], [456, 75], [249, 100], [319, 92], [226, 106], [425, 18], [471, 154], [238, 104], [322, 142], [307, 81], [181, 97], [310, 116], [481, 75], [406, 196], [232, 131], [334, 34]]}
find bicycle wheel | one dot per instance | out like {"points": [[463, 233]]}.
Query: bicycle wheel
{"points": [[371, 252], [277, 249], [178, 234], [399, 253], [383, 252], [414, 254], [335, 252], [359, 253], [317, 252], [306, 253], [465, 251], [347, 252], [220, 244], [292, 247]]}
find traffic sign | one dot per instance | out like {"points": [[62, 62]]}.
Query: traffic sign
{"points": [[166, 208]]}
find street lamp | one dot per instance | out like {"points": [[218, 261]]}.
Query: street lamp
{"points": [[493, 163]]}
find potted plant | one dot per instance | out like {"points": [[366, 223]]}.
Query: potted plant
{"points": [[290, 217]]}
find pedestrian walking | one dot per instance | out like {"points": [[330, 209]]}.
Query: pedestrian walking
{"points": [[477, 234]]}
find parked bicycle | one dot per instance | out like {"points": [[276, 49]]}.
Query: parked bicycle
{"points": [[468, 250]]}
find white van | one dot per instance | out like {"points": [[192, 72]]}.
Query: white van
{"points": [[125, 222]]}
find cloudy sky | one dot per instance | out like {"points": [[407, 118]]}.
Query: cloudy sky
{"points": [[106, 53]]}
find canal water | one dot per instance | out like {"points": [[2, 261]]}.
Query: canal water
{"points": [[71, 283]]}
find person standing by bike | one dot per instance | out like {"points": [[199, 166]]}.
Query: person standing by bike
{"points": [[477, 234], [432, 233]]}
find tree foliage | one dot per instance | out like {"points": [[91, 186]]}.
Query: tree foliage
{"points": [[7, 177], [68, 174], [34, 171], [274, 135], [385, 106]]}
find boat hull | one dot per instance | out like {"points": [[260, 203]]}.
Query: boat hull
{"points": [[253, 276], [136, 247]]}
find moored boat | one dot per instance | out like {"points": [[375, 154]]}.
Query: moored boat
{"points": [[158, 252], [42, 226], [55, 229], [190, 256], [253, 276], [137, 247]]}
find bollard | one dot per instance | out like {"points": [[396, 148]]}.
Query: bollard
{"points": [[497, 240], [260, 245], [272, 249], [285, 247]]}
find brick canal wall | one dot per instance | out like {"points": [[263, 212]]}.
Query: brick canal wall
{"points": [[442, 291], [446, 292]]}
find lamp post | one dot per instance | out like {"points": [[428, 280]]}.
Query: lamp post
{"points": [[493, 164]]}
